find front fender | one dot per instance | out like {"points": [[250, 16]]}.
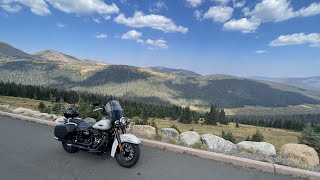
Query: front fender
{"points": [[129, 138]]}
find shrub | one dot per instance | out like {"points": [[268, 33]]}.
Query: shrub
{"points": [[199, 145], [175, 127], [42, 107], [191, 129], [228, 136], [310, 138], [158, 137], [237, 125], [172, 141], [248, 138], [257, 137], [154, 124]]}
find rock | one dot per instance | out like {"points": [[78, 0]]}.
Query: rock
{"points": [[6, 106], [42, 116], [300, 152], [169, 133], [60, 120], [262, 148], [24, 111], [53, 116], [189, 137], [216, 143], [90, 120], [144, 131]]}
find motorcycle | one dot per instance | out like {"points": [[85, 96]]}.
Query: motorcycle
{"points": [[105, 136]]}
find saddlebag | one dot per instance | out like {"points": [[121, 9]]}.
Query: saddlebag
{"points": [[63, 131]]}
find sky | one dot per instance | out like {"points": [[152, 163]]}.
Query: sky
{"points": [[274, 38]]}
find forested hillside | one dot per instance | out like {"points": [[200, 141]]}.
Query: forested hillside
{"points": [[55, 69]]}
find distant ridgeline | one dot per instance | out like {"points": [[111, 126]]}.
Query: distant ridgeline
{"points": [[131, 109]]}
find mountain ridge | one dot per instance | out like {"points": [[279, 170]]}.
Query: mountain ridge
{"points": [[147, 85]]}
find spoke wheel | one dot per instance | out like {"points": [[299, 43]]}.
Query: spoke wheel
{"points": [[129, 156]]}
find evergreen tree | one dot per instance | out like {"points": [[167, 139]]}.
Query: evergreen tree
{"points": [[228, 136], [42, 107], [237, 125], [310, 138], [185, 116], [222, 117], [212, 116], [257, 137]]}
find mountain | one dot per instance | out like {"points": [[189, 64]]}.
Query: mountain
{"points": [[311, 83], [180, 72], [7, 51], [55, 69]]}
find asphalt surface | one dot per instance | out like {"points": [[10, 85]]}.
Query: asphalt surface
{"points": [[29, 152]]}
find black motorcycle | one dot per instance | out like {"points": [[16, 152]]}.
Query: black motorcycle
{"points": [[105, 136]]}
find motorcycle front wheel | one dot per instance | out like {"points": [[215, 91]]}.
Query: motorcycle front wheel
{"points": [[129, 156]]}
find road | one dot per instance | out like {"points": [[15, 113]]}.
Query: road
{"points": [[29, 152]]}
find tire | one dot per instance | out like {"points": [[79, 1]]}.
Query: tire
{"points": [[69, 149], [121, 159]]}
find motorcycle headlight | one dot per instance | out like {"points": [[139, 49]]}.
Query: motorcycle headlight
{"points": [[123, 121]]}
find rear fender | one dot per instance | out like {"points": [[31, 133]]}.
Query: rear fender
{"points": [[129, 138]]}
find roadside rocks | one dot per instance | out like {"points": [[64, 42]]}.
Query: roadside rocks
{"points": [[60, 120], [24, 111], [262, 148], [301, 153], [189, 137], [6, 106], [169, 133], [145, 131], [42, 116], [216, 143]]}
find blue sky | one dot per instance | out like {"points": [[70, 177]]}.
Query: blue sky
{"points": [[239, 37]]}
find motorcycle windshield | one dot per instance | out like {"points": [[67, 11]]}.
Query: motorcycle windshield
{"points": [[113, 106]]}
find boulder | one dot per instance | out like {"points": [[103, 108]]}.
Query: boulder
{"points": [[60, 120], [6, 106], [262, 148], [216, 143], [303, 153], [24, 111], [42, 116], [169, 133], [90, 120], [189, 137], [145, 131]]}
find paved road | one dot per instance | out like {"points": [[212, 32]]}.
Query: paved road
{"points": [[28, 151]]}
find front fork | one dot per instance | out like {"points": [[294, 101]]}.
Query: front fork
{"points": [[119, 139]]}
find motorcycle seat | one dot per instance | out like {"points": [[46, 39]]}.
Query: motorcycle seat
{"points": [[82, 126]]}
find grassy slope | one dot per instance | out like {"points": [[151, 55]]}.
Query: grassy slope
{"points": [[277, 137]]}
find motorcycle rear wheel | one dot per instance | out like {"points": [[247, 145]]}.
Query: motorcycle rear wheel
{"points": [[69, 149], [129, 156]]}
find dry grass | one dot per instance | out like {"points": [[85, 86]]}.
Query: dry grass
{"points": [[277, 137], [22, 102]]}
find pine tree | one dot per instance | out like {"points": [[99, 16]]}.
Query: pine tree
{"points": [[310, 138], [212, 116], [257, 137], [41, 107], [185, 116], [222, 117]]}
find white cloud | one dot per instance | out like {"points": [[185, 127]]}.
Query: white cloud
{"points": [[194, 3], [159, 6], [221, 2], [156, 44], [60, 25], [312, 39], [219, 13], [261, 51], [38, 7], [238, 4], [133, 35], [96, 20], [244, 25], [11, 8], [281, 10], [101, 36], [139, 20], [198, 15], [84, 7]]}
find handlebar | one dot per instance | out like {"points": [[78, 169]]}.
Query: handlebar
{"points": [[97, 109]]}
